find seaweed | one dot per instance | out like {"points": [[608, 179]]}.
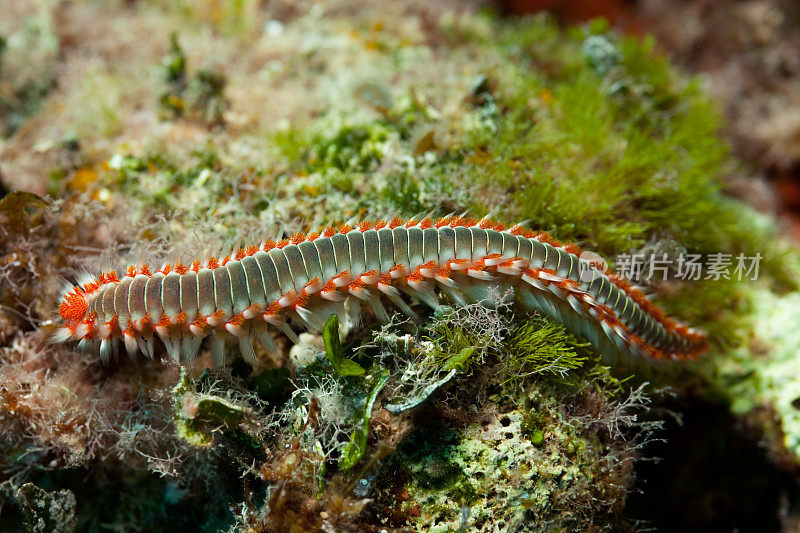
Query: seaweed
{"points": [[589, 135], [199, 96]]}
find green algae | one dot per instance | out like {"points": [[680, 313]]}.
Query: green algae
{"points": [[199, 96], [198, 416], [585, 134], [357, 446], [335, 354], [543, 348], [760, 373], [453, 348], [373, 383]]}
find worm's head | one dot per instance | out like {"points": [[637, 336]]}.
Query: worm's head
{"points": [[73, 306]]}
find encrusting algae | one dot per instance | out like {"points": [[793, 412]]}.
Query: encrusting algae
{"points": [[199, 129]]}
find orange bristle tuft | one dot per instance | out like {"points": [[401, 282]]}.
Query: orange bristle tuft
{"points": [[74, 306]]}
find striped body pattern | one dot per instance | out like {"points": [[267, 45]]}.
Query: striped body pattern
{"points": [[309, 276]]}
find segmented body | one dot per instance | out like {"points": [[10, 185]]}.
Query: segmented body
{"points": [[307, 275]]}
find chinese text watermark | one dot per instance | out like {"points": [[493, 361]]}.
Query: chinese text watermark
{"points": [[661, 267]]}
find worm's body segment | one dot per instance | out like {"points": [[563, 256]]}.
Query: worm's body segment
{"points": [[304, 276]]}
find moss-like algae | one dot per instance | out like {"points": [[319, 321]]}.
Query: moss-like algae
{"points": [[588, 135]]}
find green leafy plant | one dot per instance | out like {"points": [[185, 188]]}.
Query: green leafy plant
{"points": [[355, 449], [333, 350]]}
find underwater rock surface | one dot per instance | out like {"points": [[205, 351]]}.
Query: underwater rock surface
{"points": [[156, 131]]}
